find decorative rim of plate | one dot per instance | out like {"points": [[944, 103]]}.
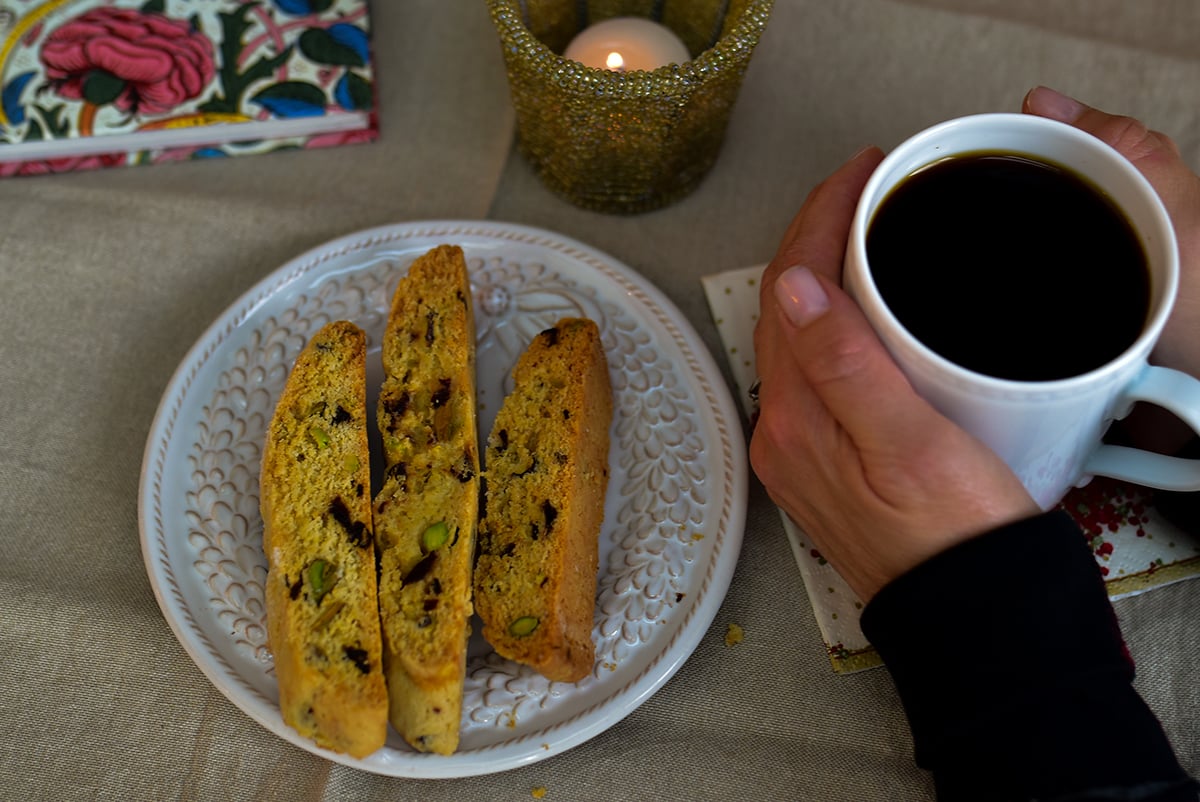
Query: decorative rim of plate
{"points": [[520, 749]]}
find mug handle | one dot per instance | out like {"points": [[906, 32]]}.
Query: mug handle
{"points": [[1175, 391]]}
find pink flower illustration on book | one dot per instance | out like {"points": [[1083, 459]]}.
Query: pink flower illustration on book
{"points": [[177, 79], [138, 62]]}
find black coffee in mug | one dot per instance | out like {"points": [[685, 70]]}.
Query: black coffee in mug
{"points": [[1010, 266]]}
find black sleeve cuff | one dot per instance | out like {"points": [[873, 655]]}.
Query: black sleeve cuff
{"points": [[1011, 667]]}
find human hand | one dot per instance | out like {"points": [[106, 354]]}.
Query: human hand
{"points": [[877, 478], [1156, 156]]}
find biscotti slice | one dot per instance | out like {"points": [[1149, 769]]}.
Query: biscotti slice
{"points": [[315, 491], [426, 512], [546, 474]]}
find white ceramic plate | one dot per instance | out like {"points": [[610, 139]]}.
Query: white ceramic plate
{"points": [[674, 515]]}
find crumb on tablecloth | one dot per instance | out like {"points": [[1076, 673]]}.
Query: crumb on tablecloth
{"points": [[538, 792], [733, 635]]}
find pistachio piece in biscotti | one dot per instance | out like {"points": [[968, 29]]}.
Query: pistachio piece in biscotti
{"points": [[435, 535], [523, 626], [321, 578]]}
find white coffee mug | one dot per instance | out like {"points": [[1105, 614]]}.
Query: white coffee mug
{"points": [[1049, 432]]}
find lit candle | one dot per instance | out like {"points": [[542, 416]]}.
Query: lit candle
{"points": [[627, 43]]}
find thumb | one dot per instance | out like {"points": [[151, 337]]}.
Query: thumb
{"points": [[844, 362]]}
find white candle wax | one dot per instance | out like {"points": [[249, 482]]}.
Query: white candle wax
{"points": [[627, 43]]}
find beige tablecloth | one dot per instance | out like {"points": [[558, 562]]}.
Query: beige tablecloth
{"points": [[109, 277]]}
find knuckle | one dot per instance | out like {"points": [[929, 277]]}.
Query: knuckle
{"points": [[772, 431], [781, 437], [762, 337], [762, 457], [842, 358], [1134, 138], [927, 453], [759, 460]]}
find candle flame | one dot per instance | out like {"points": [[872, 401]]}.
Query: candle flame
{"points": [[614, 62]]}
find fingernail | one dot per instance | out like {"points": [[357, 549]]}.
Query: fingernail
{"points": [[1045, 102], [861, 151], [801, 296]]}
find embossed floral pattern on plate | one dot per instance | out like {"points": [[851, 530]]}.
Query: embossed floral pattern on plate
{"points": [[673, 518]]}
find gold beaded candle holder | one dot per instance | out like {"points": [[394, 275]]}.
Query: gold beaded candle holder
{"points": [[625, 142]]}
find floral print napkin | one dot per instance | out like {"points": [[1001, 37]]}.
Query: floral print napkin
{"points": [[1135, 545]]}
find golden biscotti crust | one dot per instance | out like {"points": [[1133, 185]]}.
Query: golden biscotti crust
{"points": [[322, 610], [426, 512], [546, 475]]}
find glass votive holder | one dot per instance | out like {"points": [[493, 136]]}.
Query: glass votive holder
{"points": [[625, 142]]}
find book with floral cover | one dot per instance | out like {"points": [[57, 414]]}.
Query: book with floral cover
{"points": [[100, 83]]}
